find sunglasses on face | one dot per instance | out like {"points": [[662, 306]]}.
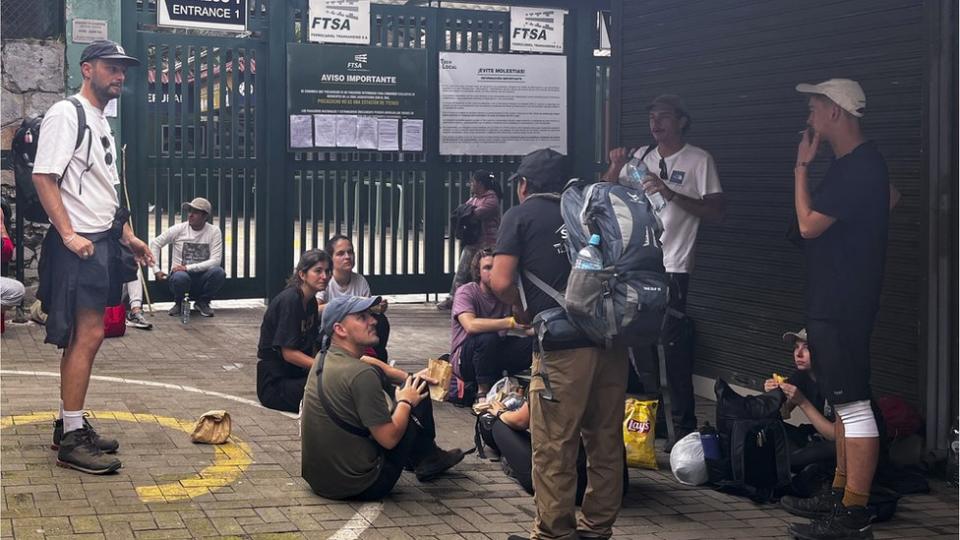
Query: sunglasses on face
{"points": [[108, 158]]}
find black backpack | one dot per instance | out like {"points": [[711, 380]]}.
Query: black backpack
{"points": [[24, 149], [753, 444], [464, 225]]}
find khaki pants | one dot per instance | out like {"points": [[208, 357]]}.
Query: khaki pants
{"points": [[588, 386]]}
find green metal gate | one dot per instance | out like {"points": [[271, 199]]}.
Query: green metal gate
{"points": [[210, 120]]}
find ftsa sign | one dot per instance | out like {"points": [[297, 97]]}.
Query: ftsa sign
{"points": [[339, 21], [536, 29]]}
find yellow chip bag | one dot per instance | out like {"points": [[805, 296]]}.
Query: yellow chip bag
{"points": [[639, 421], [779, 378]]}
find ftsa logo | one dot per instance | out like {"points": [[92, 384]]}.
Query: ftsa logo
{"points": [[330, 23], [359, 61], [635, 426]]}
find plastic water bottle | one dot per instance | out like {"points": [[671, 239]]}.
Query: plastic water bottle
{"points": [[590, 257], [710, 441], [953, 458], [185, 309], [636, 172]]}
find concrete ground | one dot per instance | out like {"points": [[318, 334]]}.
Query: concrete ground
{"points": [[151, 385]]}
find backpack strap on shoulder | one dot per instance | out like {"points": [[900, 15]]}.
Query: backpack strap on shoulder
{"points": [[328, 408], [543, 286], [81, 123]]}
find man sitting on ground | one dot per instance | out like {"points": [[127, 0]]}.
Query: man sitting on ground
{"points": [[197, 252], [480, 350], [358, 437]]}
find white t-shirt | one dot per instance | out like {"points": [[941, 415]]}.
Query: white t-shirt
{"points": [[199, 250], [690, 172], [358, 286], [90, 201]]}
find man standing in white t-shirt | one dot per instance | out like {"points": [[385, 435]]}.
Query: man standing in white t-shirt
{"points": [[79, 276], [197, 252], [686, 177]]}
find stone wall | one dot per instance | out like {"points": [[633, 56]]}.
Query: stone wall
{"points": [[33, 80]]}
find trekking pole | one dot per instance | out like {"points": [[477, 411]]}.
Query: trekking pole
{"points": [[126, 195]]}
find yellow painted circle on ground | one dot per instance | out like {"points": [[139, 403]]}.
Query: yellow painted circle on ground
{"points": [[229, 460]]}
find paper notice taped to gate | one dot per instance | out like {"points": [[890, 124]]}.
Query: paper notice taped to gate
{"points": [[367, 133], [301, 131], [347, 130], [388, 133], [412, 135], [325, 130]]}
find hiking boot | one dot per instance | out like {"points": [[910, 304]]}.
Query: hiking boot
{"points": [[446, 305], [78, 451], [103, 443], [137, 320], [846, 523], [437, 463], [817, 507], [204, 308], [175, 310]]}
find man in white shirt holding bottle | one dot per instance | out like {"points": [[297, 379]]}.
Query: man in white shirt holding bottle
{"points": [[686, 177], [197, 252]]}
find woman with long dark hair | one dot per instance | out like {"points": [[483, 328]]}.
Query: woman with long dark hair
{"points": [[485, 198], [346, 282], [289, 334]]}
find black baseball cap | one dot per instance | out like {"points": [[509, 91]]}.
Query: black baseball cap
{"points": [[107, 50], [546, 169]]}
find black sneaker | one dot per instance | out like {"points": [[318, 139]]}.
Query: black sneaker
{"points": [[851, 523], [204, 308], [137, 320], [175, 310], [103, 443], [78, 451], [817, 507], [446, 305], [437, 463]]}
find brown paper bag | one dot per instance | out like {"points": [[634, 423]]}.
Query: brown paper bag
{"points": [[213, 427], [442, 371]]}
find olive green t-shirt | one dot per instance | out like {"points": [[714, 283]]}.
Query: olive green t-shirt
{"points": [[335, 463]]}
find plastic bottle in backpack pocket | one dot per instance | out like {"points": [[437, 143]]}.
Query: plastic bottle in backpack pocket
{"points": [[590, 258]]}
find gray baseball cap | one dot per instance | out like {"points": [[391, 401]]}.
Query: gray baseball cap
{"points": [[546, 169], [792, 337], [340, 307], [108, 50]]}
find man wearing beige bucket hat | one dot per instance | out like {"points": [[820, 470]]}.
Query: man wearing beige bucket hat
{"points": [[195, 266]]}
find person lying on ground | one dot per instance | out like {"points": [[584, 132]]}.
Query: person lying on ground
{"points": [[289, 334], [363, 421]]}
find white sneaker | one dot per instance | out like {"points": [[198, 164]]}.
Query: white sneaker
{"points": [[137, 320]]}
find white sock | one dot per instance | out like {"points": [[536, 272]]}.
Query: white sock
{"points": [[60, 415], [72, 420]]}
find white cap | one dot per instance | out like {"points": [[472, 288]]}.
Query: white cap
{"points": [[846, 93]]}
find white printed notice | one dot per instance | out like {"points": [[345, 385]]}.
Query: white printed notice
{"points": [[502, 104], [339, 21], [536, 29], [301, 131], [325, 130], [347, 130], [367, 133], [412, 135], [388, 129]]}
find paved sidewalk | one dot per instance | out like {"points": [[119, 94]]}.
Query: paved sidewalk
{"points": [[158, 382]]}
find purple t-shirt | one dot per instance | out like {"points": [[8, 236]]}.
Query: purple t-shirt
{"points": [[471, 298]]}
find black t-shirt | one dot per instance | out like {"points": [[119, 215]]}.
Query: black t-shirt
{"points": [[534, 233], [809, 388], [845, 263], [287, 324]]}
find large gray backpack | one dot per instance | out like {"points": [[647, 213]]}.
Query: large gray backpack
{"points": [[624, 303]]}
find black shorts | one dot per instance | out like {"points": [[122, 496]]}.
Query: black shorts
{"points": [[840, 354]]}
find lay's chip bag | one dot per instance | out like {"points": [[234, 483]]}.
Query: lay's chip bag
{"points": [[639, 421]]}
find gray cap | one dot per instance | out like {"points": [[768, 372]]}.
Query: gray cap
{"points": [[792, 337], [546, 169], [200, 204], [340, 307], [107, 50]]}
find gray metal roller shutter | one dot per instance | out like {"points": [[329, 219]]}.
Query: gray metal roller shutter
{"points": [[736, 64]]}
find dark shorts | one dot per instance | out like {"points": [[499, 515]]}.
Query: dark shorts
{"points": [[69, 283], [840, 353]]}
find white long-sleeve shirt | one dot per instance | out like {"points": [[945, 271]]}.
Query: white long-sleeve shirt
{"points": [[197, 250]]}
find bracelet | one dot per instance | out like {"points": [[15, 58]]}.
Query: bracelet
{"points": [[513, 322], [407, 401], [801, 165], [68, 241]]}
